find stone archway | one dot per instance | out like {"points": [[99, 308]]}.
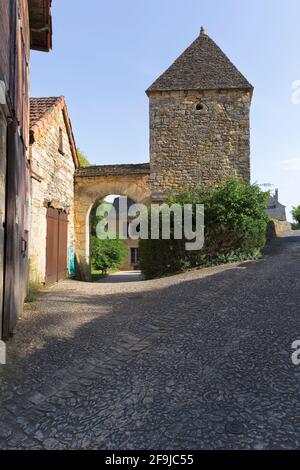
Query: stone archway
{"points": [[96, 182]]}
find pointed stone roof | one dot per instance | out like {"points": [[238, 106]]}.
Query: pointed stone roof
{"points": [[202, 66]]}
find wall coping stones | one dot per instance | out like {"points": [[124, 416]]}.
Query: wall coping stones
{"points": [[115, 170]]}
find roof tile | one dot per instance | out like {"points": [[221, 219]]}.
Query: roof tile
{"points": [[39, 107]]}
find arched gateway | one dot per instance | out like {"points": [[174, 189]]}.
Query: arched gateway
{"points": [[96, 182]]}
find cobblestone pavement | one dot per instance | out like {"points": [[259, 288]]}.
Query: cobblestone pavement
{"points": [[201, 360]]}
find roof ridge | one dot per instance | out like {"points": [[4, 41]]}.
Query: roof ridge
{"points": [[45, 97]]}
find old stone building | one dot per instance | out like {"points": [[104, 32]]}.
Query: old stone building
{"points": [[275, 209], [199, 135], [53, 160], [122, 207], [24, 25], [199, 121]]}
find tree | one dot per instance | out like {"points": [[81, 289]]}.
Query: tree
{"points": [[82, 159], [107, 254], [296, 214]]}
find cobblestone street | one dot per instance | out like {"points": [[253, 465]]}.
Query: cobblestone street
{"points": [[201, 360]]}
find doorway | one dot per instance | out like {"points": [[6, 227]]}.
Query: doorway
{"points": [[56, 246], [134, 257]]}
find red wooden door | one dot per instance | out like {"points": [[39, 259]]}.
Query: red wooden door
{"points": [[62, 262], [56, 246]]}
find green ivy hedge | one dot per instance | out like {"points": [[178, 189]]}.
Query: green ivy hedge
{"points": [[235, 229]]}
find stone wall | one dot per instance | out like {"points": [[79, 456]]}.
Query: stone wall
{"points": [[277, 228], [190, 146], [52, 182]]}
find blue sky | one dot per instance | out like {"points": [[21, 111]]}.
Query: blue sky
{"points": [[105, 55]]}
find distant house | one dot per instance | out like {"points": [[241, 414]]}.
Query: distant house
{"points": [[275, 209], [24, 25], [132, 246], [53, 160]]}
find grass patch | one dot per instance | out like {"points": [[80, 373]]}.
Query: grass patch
{"points": [[33, 292], [97, 275]]}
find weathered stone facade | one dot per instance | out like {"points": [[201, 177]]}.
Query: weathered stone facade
{"points": [[277, 228], [190, 146], [199, 121], [52, 185]]}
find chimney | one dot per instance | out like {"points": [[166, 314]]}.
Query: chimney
{"points": [[276, 195]]}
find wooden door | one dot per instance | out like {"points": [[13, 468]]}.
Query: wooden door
{"points": [[56, 246], [62, 262]]}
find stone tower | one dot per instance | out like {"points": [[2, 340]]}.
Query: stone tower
{"points": [[199, 121]]}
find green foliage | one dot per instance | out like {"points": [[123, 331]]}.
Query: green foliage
{"points": [[296, 214], [107, 254], [161, 257], [82, 159], [235, 229], [31, 297], [33, 292], [235, 257], [97, 275]]}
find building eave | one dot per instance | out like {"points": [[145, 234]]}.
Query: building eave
{"points": [[151, 91], [40, 24]]}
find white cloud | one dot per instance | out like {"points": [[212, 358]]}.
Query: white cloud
{"points": [[291, 165]]}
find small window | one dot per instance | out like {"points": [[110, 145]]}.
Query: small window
{"points": [[61, 141], [199, 107]]}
